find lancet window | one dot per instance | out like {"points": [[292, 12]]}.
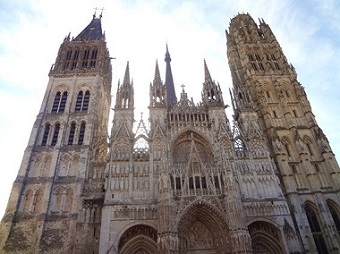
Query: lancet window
{"points": [[46, 134], [75, 56], [81, 133], [56, 129], [37, 201], [67, 59], [314, 224], [82, 102], [334, 210], [59, 102], [239, 146], [256, 61], [89, 58], [71, 133]]}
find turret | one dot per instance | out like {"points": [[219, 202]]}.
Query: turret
{"points": [[124, 117], [157, 90], [211, 94], [125, 93]]}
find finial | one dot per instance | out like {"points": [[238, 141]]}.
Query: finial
{"points": [[167, 54], [207, 76], [183, 88], [101, 13], [141, 115], [95, 12], [157, 77]]}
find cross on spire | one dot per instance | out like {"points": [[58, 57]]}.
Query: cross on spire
{"points": [[95, 12], [101, 13]]}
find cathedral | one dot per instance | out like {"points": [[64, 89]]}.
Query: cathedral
{"points": [[194, 181]]}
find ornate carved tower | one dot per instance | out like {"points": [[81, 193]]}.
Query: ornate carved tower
{"points": [[55, 204], [190, 183], [265, 89]]}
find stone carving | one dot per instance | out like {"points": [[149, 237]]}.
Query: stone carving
{"points": [[199, 237]]}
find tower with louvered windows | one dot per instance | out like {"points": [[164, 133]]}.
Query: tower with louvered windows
{"points": [[266, 89], [59, 189], [186, 180]]}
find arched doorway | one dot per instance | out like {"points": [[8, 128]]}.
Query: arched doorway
{"points": [[202, 230], [265, 238], [139, 239]]}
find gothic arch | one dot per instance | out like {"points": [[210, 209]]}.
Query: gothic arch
{"points": [[335, 213], [28, 198], [68, 200], [315, 226], [46, 133], [81, 98], [265, 238], [202, 227], [61, 88], [74, 168], [287, 145], [64, 165], [57, 199], [137, 239], [58, 96], [157, 147], [35, 170], [309, 143], [45, 166], [141, 142], [82, 88], [239, 145], [38, 201], [180, 147]]}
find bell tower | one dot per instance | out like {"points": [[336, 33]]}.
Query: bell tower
{"points": [[59, 187], [265, 86]]}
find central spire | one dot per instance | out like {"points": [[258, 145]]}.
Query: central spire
{"points": [[169, 82]]}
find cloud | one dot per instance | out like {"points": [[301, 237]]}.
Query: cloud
{"points": [[137, 31]]}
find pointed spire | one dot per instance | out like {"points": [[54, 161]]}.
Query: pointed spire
{"points": [[211, 93], [126, 80], [167, 54], [157, 78], [207, 77], [125, 94], [157, 90], [169, 82], [117, 93]]}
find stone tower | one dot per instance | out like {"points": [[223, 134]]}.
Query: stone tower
{"points": [[265, 88], [60, 184], [189, 183]]}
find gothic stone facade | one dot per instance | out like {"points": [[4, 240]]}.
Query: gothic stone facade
{"points": [[191, 183]]}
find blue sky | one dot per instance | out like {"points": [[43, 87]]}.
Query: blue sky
{"points": [[31, 32]]}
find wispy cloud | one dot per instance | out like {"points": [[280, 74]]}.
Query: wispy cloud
{"points": [[137, 31]]}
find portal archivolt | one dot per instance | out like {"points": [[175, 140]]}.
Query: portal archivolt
{"points": [[202, 230], [139, 239], [265, 238]]}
